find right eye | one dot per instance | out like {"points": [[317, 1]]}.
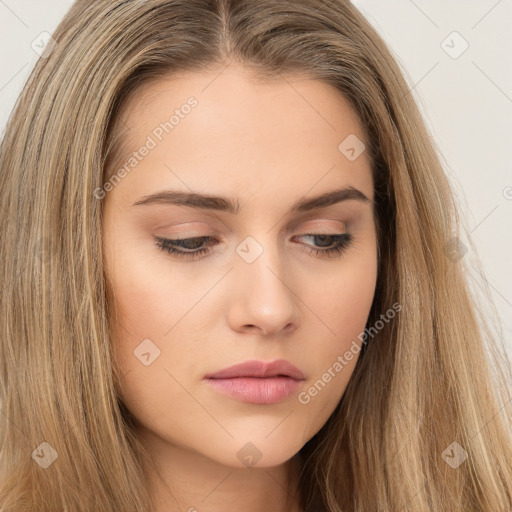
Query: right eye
{"points": [[185, 247]]}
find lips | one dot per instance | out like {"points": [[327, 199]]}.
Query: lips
{"points": [[257, 382], [259, 369]]}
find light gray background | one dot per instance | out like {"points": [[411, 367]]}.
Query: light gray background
{"points": [[466, 101]]}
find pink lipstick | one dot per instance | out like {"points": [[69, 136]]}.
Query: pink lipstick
{"points": [[257, 382]]}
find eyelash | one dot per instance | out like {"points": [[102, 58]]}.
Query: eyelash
{"points": [[344, 241]]}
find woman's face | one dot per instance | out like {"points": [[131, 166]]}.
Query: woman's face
{"points": [[248, 284]]}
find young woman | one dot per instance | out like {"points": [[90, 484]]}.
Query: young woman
{"points": [[230, 275]]}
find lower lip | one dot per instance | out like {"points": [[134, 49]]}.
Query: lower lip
{"points": [[268, 390]]}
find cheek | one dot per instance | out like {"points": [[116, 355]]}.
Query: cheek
{"points": [[150, 343], [341, 297], [148, 298], [342, 306], [150, 292]]}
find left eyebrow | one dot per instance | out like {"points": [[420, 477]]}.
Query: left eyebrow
{"points": [[225, 204]]}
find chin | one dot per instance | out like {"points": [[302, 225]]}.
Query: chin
{"points": [[258, 452]]}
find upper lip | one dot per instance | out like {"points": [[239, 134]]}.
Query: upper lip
{"points": [[259, 369]]}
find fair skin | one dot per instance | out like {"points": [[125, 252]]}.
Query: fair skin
{"points": [[266, 145]]}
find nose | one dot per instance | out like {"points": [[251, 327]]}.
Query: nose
{"points": [[263, 299]]}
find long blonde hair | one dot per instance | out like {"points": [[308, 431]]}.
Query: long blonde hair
{"points": [[429, 378]]}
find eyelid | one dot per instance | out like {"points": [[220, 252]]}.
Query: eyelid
{"points": [[166, 227], [323, 225], [327, 227]]}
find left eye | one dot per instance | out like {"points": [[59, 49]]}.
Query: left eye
{"points": [[338, 243], [193, 247]]}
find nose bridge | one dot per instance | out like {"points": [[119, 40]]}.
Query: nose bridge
{"points": [[264, 295]]}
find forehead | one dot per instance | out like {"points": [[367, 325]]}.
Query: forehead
{"points": [[240, 87], [242, 128]]}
